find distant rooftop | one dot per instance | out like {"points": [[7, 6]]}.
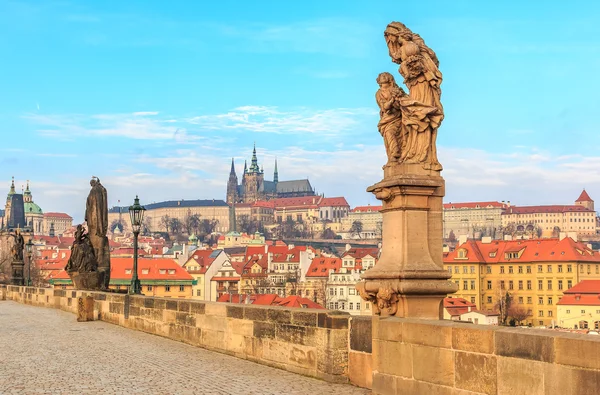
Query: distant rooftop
{"points": [[175, 203]]}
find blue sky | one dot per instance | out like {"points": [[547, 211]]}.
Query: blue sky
{"points": [[156, 97]]}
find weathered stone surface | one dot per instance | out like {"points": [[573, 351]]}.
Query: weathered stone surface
{"points": [[264, 330], [85, 309], [476, 338], [385, 384], [281, 316], [360, 369], [304, 318], [183, 306], [218, 309], [394, 358], [578, 350], [361, 334], [235, 312], [197, 308], [523, 343], [476, 372], [432, 333], [433, 365], [520, 376], [255, 313]]}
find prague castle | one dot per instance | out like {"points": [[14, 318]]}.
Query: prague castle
{"points": [[254, 186]]}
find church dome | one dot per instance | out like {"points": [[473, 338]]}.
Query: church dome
{"points": [[32, 208]]}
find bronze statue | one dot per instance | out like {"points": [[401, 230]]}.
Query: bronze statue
{"points": [[17, 248], [83, 259], [89, 265], [416, 117]]}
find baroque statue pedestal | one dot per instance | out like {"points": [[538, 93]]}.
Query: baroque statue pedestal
{"points": [[18, 272], [409, 279]]}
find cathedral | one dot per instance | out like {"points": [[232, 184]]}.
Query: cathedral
{"points": [[254, 186]]}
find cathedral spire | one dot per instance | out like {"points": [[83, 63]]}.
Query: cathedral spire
{"points": [[254, 165], [245, 167], [276, 173], [12, 187], [232, 172]]}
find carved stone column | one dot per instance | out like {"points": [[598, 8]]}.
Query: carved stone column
{"points": [[409, 279]]}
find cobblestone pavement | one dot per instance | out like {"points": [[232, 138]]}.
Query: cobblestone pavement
{"points": [[46, 351]]}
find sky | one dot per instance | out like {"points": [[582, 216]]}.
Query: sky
{"points": [[155, 97]]}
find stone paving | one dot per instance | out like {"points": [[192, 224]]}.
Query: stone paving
{"points": [[45, 351]]}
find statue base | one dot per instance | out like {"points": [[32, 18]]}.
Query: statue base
{"points": [[91, 281], [409, 279], [18, 272]]}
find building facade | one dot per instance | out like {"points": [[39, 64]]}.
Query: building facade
{"points": [[550, 221], [55, 224], [371, 219], [534, 272], [254, 187], [579, 308], [473, 219]]}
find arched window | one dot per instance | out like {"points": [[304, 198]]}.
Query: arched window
{"points": [[583, 324]]}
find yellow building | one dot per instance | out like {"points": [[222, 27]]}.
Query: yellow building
{"points": [[473, 219], [371, 219], [159, 277], [534, 272], [579, 308]]}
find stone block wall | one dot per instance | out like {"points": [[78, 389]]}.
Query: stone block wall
{"points": [[443, 357], [304, 341]]}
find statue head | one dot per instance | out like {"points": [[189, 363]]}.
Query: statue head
{"points": [[94, 181], [386, 78], [396, 34]]}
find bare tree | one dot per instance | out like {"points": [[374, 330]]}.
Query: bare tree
{"points": [[356, 228], [176, 226], [165, 222], [518, 312], [191, 222], [503, 302]]}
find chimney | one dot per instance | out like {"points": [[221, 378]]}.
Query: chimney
{"points": [[348, 247], [507, 237], [562, 235], [462, 239], [486, 240]]}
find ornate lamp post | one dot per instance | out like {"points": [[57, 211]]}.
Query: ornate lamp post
{"points": [[137, 215], [29, 249]]}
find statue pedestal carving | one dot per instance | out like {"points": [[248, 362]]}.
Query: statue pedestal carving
{"points": [[409, 279], [18, 272]]}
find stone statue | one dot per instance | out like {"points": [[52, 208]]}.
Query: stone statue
{"points": [[89, 265], [83, 258], [409, 279], [17, 248], [414, 118]]}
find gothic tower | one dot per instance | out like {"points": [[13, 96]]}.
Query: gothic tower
{"points": [[232, 185], [275, 174], [253, 179], [9, 201]]}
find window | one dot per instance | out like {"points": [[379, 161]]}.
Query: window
{"points": [[520, 300], [521, 269], [582, 311], [465, 285], [450, 270], [560, 286], [549, 285], [149, 288], [456, 269], [336, 305], [472, 299], [569, 269], [510, 285], [489, 299], [358, 306], [581, 269], [541, 313], [162, 271], [560, 268], [501, 284], [528, 269], [501, 269], [462, 254], [465, 270], [330, 291], [472, 284], [472, 269], [540, 300], [529, 300], [521, 285], [181, 288], [198, 292], [550, 300], [167, 288], [127, 271], [569, 284], [488, 269], [529, 285], [343, 305], [351, 306], [489, 285], [510, 269], [568, 311], [540, 285], [540, 268], [341, 291]]}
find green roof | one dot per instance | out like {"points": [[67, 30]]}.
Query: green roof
{"points": [[31, 207]]}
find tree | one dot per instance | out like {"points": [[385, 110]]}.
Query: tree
{"points": [[165, 222], [175, 225], [518, 313], [356, 228], [321, 294], [191, 223], [146, 222], [116, 224], [451, 237], [503, 304], [379, 229], [328, 234]]}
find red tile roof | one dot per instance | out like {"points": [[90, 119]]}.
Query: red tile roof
{"points": [[453, 206], [544, 209], [295, 202], [262, 203], [366, 209], [584, 197], [299, 302], [57, 215], [334, 202], [585, 293], [200, 258], [127, 251], [271, 300], [157, 269], [320, 266], [359, 253], [536, 250]]}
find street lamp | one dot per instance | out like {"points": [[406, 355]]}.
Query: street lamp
{"points": [[29, 249], [137, 215]]}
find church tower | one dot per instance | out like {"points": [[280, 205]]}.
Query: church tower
{"points": [[232, 185], [253, 179], [8, 202], [275, 174], [585, 200]]}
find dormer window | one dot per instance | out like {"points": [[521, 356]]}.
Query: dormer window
{"points": [[461, 254]]}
